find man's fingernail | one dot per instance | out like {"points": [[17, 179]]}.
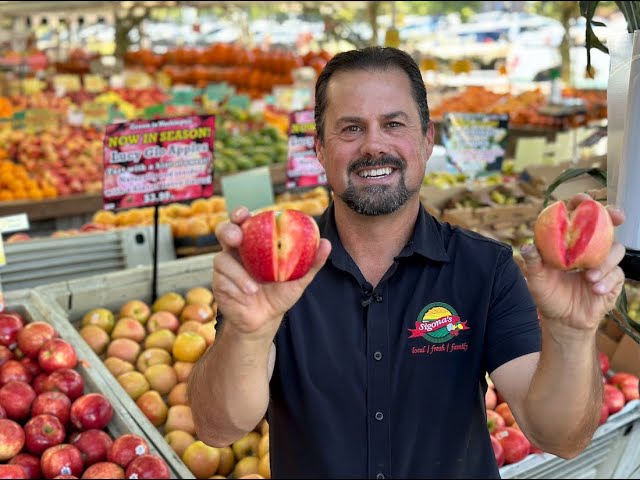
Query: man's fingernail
{"points": [[251, 288], [594, 275], [526, 249]]}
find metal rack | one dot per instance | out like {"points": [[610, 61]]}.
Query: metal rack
{"points": [[39, 262]]}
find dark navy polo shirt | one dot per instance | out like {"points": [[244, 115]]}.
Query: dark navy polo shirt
{"points": [[390, 382]]}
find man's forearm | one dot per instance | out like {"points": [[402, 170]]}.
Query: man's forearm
{"points": [[229, 387], [562, 407]]}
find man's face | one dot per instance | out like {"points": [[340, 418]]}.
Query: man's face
{"points": [[374, 151]]}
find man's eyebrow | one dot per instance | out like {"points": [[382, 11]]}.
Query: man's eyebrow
{"points": [[386, 117], [349, 119], [396, 114]]}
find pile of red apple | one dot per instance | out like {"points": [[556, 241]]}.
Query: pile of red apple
{"points": [[49, 426], [510, 445]]}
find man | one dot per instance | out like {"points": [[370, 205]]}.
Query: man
{"points": [[383, 346]]}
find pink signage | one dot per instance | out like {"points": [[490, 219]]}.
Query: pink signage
{"points": [[148, 163]]}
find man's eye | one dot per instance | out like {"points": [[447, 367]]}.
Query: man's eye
{"points": [[352, 128], [394, 124]]}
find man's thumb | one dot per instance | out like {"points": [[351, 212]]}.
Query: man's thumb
{"points": [[532, 260]]}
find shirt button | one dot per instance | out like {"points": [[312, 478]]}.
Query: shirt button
{"points": [[380, 476], [377, 355], [379, 416]]}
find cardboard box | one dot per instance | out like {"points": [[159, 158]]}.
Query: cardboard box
{"points": [[627, 356]]}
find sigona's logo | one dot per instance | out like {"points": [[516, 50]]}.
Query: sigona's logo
{"points": [[438, 323]]}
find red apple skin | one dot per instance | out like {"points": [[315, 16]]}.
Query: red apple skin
{"points": [[604, 362], [5, 355], [515, 444], [11, 439], [148, 466], [498, 451], [67, 381], [127, 447], [628, 384], [39, 383], [12, 471], [62, 459], [52, 403], [93, 444], [30, 463], [104, 470], [42, 432], [494, 421], [33, 336], [57, 354], [3, 413], [279, 247], [91, 411], [613, 398], [604, 413], [32, 366], [14, 371], [10, 325], [16, 399]]}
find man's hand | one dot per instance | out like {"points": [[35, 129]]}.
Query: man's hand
{"points": [[577, 299], [252, 307]]}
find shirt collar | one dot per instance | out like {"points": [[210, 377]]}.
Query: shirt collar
{"points": [[426, 240]]}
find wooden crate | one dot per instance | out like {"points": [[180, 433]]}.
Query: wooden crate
{"points": [[34, 307]]}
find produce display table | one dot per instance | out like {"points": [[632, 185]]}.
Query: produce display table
{"points": [[34, 307], [69, 301], [599, 460]]}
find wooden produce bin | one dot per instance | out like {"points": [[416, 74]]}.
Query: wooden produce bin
{"points": [[70, 300], [35, 307]]}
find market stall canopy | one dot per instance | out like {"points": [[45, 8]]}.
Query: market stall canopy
{"points": [[16, 8]]}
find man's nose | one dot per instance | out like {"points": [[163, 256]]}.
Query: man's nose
{"points": [[374, 143]]}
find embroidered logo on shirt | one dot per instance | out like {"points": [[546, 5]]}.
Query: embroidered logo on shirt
{"points": [[438, 323]]}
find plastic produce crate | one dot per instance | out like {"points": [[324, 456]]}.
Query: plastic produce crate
{"points": [[70, 300], [34, 307], [591, 462]]}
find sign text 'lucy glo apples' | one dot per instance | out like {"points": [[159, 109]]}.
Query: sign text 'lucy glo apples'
{"points": [[581, 239], [279, 246]]}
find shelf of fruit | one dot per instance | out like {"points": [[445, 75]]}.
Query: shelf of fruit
{"points": [[522, 108], [57, 416], [253, 71], [66, 163], [512, 447], [148, 349]]}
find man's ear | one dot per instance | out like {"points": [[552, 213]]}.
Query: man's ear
{"points": [[429, 137], [319, 150]]}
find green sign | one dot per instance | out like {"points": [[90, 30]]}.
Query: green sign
{"points": [[252, 189], [217, 92], [183, 97], [240, 101], [154, 111]]}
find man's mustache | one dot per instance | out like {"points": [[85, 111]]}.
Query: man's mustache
{"points": [[369, 162]]}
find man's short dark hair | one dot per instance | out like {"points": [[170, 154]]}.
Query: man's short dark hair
{"points": [[371, 58]]}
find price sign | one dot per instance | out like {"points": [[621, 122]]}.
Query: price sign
{"points": [[94, 84], [475, 142], [96, 113], [39, 119], [32, 85], [148, 163], [303, 167], [65, 83]]}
